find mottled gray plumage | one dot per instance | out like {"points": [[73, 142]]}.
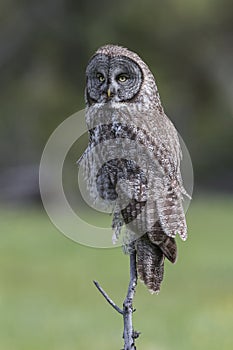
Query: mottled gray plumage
{"points": [[136, 163]]}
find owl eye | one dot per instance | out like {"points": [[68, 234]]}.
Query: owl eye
{"points": [[100, 77], [122, 78]]}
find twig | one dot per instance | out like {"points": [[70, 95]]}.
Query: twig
{"points": [[109, 300], [129, 334]]}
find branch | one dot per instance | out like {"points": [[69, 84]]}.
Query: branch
{"points": [[129, 334], [109, 300]]}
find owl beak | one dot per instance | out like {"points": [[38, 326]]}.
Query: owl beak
{"points": [[108, 92]]}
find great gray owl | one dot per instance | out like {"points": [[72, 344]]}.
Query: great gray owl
{"points": [[133, 159]]}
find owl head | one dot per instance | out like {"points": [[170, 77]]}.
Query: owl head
{"points": [[115, 74]]}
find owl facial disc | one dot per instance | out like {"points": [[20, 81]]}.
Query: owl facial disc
{"points": [[112, 79]]}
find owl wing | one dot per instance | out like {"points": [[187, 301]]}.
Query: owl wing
{"points": [[170, 209], [159, 243], [170, 190]]}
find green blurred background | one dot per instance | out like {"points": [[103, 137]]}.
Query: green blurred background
{"points": [[47, 300]]}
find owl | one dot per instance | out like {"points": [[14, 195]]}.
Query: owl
{"points": [[133, 159]]}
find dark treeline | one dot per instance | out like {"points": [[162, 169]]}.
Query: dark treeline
{"points": [[44, 48]]}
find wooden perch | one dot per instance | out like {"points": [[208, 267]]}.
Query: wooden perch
{"points": [[129, 334]]}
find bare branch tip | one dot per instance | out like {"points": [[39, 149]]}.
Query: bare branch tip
{"points": [[107, 298]]}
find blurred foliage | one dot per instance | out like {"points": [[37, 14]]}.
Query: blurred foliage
{"points": [[45, 46]]}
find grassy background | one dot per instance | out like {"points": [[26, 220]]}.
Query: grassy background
{"points": [[47, 300]]}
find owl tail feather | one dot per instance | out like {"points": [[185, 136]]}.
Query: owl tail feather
{"points": [[166, 244], [151, 249], [150, 263]]}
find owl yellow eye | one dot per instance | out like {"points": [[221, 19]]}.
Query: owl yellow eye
{"points": [[100, 77], [122, 78]]}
